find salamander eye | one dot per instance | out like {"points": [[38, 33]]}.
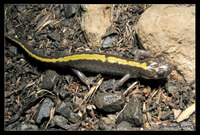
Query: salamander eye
{"points": [[161, 58], [161, 73]]}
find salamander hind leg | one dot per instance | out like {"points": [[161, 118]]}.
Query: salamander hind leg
{"points": [[121, 82], [84, 79]]}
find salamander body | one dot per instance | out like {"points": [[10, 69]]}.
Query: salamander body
{"points": [[150, 68]]}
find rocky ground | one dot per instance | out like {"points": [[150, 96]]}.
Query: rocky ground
{"points": [[37, 98]]}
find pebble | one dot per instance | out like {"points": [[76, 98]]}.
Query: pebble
{"points": [[26, 127], [109, 102], [54, 36], [170, 127], [112, 117], [172, 87], [124, 126], [21, 8], [106, 124], [107, 84], [108, 42], [9, 25], [60, 121], [187, 126], [13, 50], [44, 110], [57, 12], [65, 23], [74, 117], [51, 78], [14, 14], [166, 116], [64, 109], [70, 9], [63, 93], [132, 112]]}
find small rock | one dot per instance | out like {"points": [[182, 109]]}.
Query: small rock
{"points": [[110, 32], [57, 12], [59, 121], [74, 117], [170, 127], [172, 87], [112, 117], [65, 23], [51, 78], [9, 25], [132, 112], [187, 126], [63, 92], [14, 14], [13, 51], [84, 7], [124, 126], [109, 102], [64, 109], [108, 42], [26, 127], [21, 8], [54, 36], [44, 110], [51, 27], [166, 116], [107, 84], [70, 9], [106, 124]]}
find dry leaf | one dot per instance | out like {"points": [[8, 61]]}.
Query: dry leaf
{"points": [[176, 113], [186, 113]]}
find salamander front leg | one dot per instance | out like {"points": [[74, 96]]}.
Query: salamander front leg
{"points": [[121, 82], [84, 79], [138, 53]]}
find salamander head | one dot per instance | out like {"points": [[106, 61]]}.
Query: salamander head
{"points": [[157, 68]]}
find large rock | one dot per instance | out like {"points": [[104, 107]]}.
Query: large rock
{"points": [[170, 30], [94, 23]]}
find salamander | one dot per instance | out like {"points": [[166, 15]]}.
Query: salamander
{"points": [[149, 68]]}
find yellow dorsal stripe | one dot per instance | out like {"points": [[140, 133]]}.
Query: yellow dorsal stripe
{"points": [[126, 62], [101, 57]]}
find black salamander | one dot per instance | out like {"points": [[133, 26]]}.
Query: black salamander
{"points": [[150, 68]]}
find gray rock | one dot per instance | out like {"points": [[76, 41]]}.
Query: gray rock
{"points": [[172, 87], [109, 102], [124, 126], [132, 112], [26, 127], [74, 117], [70, 9], [108, 42], [21, 8], [54, 36], [59, 121], [106, 124], [187, 126], [65, 22], [107, 84], [64, 109], [44, 110], [51, 78], [170, 127], [63, 93]]}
